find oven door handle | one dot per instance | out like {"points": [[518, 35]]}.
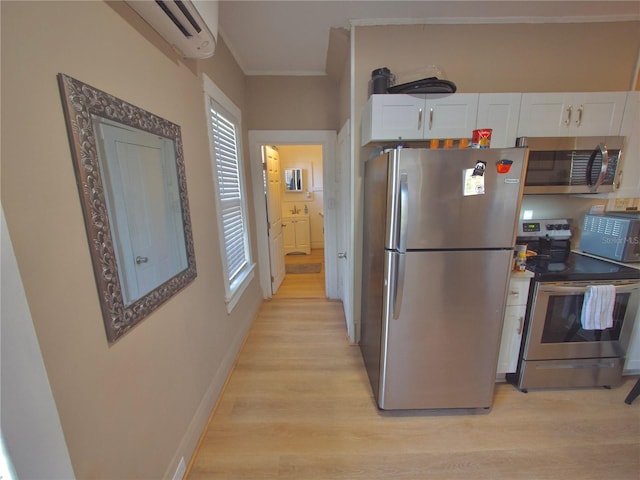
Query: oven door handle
{"points": [[627, 287]]}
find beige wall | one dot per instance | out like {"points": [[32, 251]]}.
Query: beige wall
{"points": [[129, 410], [344, 95], [292, 103]]}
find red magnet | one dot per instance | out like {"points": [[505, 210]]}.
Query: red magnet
{"points": [[503, 166]]}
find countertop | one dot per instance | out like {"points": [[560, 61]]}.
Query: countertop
{"points": [[631, 265]]}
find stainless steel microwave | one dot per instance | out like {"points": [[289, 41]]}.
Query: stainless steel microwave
{"points": [[572, 164]]}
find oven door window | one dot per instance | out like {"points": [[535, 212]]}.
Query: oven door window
{"points": [[548, 168], [563, 325], [554, 327]]}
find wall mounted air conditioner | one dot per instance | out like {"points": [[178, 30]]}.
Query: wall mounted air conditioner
{"points": [[191, 27]]}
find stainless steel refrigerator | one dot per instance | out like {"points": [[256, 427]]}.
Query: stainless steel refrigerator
{"points": [[439, 231]]}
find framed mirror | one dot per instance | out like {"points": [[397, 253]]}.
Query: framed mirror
{"points": [[293, 180], [130, 173]]}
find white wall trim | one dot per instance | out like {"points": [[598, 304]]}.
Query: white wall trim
{"points": [[326, 138], [378, 22]]}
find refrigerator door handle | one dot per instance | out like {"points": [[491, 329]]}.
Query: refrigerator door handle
{"points": [[404, 215], [401, 263]]}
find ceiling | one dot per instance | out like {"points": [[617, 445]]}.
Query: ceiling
{"points": [[292, 37]]}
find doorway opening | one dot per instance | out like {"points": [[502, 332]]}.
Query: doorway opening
{"points": [[307, 157], [294, 195]]}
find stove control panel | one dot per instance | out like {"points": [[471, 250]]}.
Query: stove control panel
{"points": [[554, 228]]}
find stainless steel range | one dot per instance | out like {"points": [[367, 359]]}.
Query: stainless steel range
{"points": [[558, 350]]}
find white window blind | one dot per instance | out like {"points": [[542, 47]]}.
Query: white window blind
{"points": [[225, 147], [228, 177]]}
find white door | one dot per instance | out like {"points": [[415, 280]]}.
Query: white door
{"points": [[138, 173], [274, 216], [344, 221]]}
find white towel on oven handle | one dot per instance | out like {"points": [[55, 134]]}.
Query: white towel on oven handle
{"points": [[597, 308]]}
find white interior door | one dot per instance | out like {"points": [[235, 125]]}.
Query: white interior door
{"points": [[138, 177], [345, 260], [274, 213]]}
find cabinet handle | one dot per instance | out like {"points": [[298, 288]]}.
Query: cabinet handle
{"points": [[579, 120], [514, 292], [140, 260], [430, 118], [520, 324], [569, 110], [420, 119]]}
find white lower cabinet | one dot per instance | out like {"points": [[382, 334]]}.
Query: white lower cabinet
{"points": [[632, 360], [516, 308], [296, 235]]}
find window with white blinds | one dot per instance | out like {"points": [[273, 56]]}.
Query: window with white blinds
{"points": [[226, 152]]}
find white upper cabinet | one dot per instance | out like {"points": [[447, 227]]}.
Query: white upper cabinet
{"points": [[450, 116], [630, 182], [500, 112], [571, 114], [393, 117], [398, 117]]}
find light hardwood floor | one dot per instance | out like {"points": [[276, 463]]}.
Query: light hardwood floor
{"points": [[298, 405], [303, 285]]}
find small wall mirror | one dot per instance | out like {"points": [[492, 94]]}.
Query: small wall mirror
{"points": [[132, 184], [293, 180]]}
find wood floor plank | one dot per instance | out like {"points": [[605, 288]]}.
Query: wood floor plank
{"points": [[298, 405]]}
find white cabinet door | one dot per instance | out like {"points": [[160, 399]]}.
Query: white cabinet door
{"points": [[632, 362], [543, 115], [303, 235], [630, 182], [500, 112], [450, 116], [511, 339], [398, 117], [515, 311], [571, 114], [597, 113], [288, 235], [296, 235], [393, 118]]}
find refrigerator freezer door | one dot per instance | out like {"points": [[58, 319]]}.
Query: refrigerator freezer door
{"points": [[441, 216], [442, 350]]}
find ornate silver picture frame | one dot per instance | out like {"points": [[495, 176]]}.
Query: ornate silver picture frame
{"points": [[131, 179]]}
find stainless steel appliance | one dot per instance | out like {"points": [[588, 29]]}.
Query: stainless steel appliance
{"points": [[572, 164], [614, 235], [550, 239], [556, 350], [437, 253]]}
